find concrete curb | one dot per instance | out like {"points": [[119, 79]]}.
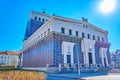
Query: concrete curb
{"points": [[65, 77]]}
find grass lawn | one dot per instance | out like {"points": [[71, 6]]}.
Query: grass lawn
{"points": [[14, 74]]}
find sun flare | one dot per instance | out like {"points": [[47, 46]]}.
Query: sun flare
{"points": [[107, 6]]}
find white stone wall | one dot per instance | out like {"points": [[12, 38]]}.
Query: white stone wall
{"points": [[67, 49], [79, 27], [88, 46], [103, 54]]}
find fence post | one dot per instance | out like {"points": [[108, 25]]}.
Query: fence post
{"points": [[47, 66], [59, 67]]}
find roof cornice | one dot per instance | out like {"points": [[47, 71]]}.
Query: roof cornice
{"points": [[80, 22]]}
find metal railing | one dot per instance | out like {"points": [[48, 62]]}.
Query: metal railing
{"points": [[81, 67], [74, 67]]}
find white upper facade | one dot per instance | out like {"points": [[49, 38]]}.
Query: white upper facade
{"points": [[56, 23]]}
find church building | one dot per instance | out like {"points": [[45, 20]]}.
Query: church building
{"points": [[54, 40]]}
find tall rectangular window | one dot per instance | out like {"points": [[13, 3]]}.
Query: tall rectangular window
{"points": [[102, 39], [44, 33], [35, 18], [93, 37], [70, 32], [98, 38], [48, 30], [83, 35], [43, 20], [76, 33], [83, 25], [39, 19], [88, 36], [41, 35], [62, 30]]}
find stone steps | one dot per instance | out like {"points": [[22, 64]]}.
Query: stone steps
{"points": [[104, 69]]}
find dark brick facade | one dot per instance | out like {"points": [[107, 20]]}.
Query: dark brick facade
{"points": [[49, 51], [98, 45], [32, 26]]}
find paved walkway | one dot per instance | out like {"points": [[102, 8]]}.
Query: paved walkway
{"points": [[60, 78], [72, 76], [83, 76], [106, 77]]}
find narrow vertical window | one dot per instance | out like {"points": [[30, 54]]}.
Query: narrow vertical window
{"points": [[83, 25], [62, 30], [41, 35], [76, 33], [83, 35], [102, 39], [86, 26], [88, 36], [44, 33], [39, 19], [93, 37], [48, 30], [35, 18], [43, 20], [70, 32], [98, 38]]}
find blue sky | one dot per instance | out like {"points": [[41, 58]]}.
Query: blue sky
{"points": [[14, 15]]}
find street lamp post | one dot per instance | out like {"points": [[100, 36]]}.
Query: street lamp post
{"points": [[78, 63]]}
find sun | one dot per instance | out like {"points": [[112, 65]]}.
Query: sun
{"points": [[107, 6]]}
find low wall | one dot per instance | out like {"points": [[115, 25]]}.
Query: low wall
{"points": [[36, 68]]}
